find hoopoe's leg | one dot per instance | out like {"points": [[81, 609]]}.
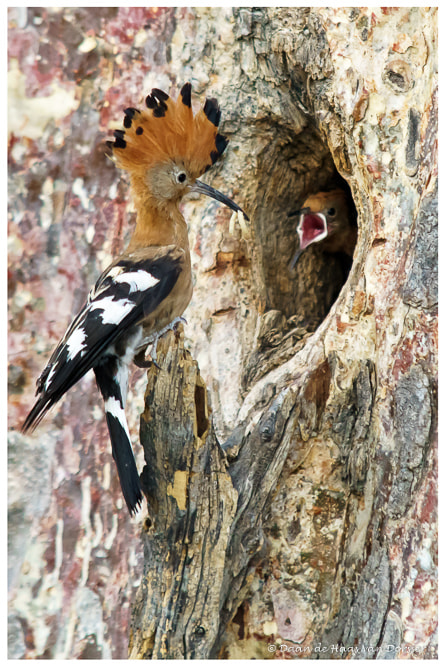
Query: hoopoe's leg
{"points": [[140, 359]]}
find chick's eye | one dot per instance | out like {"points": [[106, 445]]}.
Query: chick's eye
{"points": [[331, 211], [181, 177]]}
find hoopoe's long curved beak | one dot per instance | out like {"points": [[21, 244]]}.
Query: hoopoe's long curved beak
{"points": [[204, 189]]}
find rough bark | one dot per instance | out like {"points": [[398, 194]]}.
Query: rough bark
{"points": [[331, 450], [290, 432]]}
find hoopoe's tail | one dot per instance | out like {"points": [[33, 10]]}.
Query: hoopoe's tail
{"points": [[112, 379]]}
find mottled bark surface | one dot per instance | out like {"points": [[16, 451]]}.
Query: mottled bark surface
{"points": [[290, 432]]}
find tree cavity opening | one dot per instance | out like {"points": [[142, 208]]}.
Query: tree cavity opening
{"points": [[291, 168]]}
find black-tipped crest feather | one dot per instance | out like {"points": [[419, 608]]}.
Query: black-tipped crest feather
{"points": [[186, 94], [212, 111]]}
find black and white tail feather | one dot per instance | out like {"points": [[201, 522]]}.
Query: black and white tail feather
{"points": [[105, 336]]}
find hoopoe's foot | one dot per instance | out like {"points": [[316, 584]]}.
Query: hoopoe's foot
{"points": [[141, 360]]}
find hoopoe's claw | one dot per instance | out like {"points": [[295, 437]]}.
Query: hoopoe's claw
{"points": [[140, 359]]}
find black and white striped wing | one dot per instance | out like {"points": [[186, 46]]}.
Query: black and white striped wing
{"points": [[124, 294]]}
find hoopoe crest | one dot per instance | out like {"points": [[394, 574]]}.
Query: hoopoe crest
{"points": [[168, 130]]}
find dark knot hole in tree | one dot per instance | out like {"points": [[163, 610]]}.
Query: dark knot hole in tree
{"points": [[202, 422]]}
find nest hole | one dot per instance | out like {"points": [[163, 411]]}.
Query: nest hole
{"points": [[293, 167]]}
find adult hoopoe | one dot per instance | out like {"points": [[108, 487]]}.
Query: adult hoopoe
{"points": [[326, 217], [144, 291]]}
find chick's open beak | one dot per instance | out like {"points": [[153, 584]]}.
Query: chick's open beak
{"points": [[312, 228]]}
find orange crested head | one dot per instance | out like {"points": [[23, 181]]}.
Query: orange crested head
{"points": [[165, 148], [167, 131]]}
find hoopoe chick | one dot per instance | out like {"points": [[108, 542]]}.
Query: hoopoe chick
{"points": [[326, 218], [144, 292]]}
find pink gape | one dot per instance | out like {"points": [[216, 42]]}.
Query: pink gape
{"points": [[312, 227], [325, 217]]}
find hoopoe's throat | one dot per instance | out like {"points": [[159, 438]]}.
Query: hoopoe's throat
{"points": [[158, 225]]}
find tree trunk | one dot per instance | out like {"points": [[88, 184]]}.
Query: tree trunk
{"points": [[304, 522], [290, 431]]}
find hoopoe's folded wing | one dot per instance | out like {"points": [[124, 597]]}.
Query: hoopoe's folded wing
{"points": [[131, 288]]}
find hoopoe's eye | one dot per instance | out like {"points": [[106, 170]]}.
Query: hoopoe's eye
{"points": [[331, 211], [180, 178]]}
